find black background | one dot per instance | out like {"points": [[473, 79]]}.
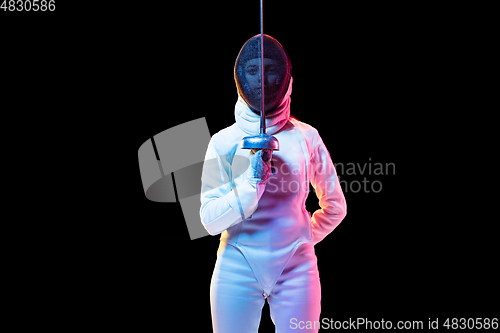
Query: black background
{"points": [[371, 79]]}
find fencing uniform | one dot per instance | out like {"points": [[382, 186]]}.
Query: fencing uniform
{"points": [[267, 236]]}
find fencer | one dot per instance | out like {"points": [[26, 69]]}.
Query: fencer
{"points": [[267, 238]]}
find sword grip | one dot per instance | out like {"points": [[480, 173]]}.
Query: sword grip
{"points": [[273, 170], [265, 158]]}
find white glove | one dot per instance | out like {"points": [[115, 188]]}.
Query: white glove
{"points": [[260, 166]]}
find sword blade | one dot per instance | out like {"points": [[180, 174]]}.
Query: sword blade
{"points": [[262, 112]]}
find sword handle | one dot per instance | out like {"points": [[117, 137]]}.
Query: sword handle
{"points": [[265, 158]]}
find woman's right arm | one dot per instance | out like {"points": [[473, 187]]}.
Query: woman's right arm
{"points": [[223, 205]]}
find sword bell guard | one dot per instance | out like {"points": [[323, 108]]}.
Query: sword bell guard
{"points": [[261, 141]]}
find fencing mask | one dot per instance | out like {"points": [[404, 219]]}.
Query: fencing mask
{"points": [[277, 73]]}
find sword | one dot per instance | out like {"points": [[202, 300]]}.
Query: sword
{"points": [[263, 140]]}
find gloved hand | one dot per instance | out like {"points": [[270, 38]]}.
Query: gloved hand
{"points": [[260, 165], [248, 188]]}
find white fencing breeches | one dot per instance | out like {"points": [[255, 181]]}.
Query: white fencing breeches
{"points": [[237, 297]]}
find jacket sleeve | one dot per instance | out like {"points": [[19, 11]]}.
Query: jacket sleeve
{"points": [[224, 201], [323, 178]]}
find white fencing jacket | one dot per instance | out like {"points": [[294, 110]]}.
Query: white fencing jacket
{"points": [[267, 222]]}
